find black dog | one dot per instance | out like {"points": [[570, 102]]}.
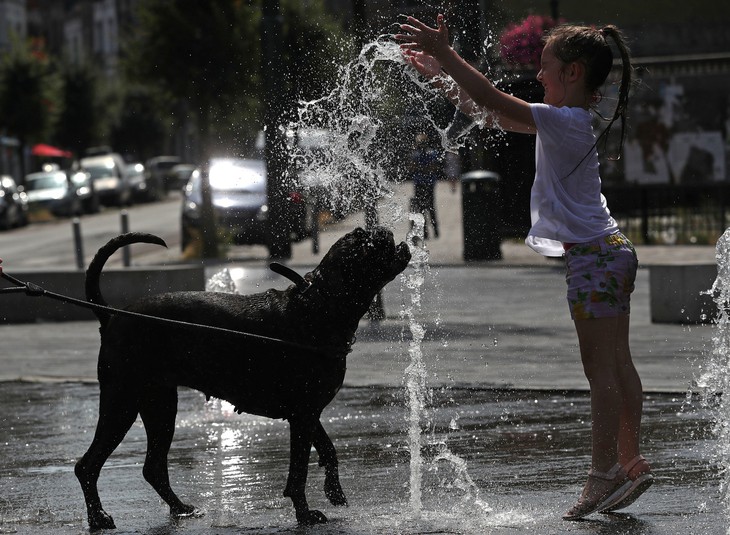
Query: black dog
{"points": [[143, 361]]}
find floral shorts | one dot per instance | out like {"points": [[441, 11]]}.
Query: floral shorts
{"points": [[600, 276]]}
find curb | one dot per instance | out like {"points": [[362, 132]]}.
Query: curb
{"points": [[119, 287]]}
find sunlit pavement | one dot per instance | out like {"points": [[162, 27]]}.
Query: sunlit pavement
{"points": [[494, 462], [506, 396], [505, 434]]}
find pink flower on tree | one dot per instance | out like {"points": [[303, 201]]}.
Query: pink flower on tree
{"points": [[521, 43]]}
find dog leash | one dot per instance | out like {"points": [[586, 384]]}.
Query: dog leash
{"points": [[33, 290]]}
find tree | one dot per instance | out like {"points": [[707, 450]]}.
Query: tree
{"points": [[314, 48], [76, 129], [28, 95], [208, 55], [196, 51], [201, 52], [138, 130]]}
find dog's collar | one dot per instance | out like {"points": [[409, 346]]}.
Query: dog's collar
{"points": [[292, 275]]}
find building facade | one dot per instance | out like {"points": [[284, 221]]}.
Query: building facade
{"points": [[13, 22]]}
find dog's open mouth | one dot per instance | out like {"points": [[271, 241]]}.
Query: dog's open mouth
{"points": [[396, 256], [402, 253]]}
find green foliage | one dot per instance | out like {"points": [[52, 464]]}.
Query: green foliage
{"points": [[77, 127], [138, 130], [208, 55], [200, 52], [28, 93], [315, 47]]}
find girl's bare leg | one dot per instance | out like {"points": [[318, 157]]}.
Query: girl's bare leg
{"points": [[616, 392]]}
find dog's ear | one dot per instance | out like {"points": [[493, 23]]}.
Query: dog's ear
{"points": [[290, 274]]}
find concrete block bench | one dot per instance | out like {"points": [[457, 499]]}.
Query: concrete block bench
{"points": [[118, 286], [679, 293]]}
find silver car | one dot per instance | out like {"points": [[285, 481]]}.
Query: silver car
{"points": [[110, 177], [13, 204], [63, 193], [240, 203]]}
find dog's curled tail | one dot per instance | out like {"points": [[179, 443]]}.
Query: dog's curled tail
{"points": [[93, 273]]}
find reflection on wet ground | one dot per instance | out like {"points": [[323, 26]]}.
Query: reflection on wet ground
{"points": [[495, 462]]}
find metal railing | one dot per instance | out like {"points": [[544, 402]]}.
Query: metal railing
{"points": [[670, 214]]}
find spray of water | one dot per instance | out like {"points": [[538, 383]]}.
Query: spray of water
{"points": [[714, 380], [350, 144], [415, 373], [347, 148], [221, 282]]}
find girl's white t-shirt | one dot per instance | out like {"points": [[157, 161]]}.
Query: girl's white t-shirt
{"points": [[566, 203]]}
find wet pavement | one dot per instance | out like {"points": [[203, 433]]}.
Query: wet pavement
{"points": [[494, 462], [505, 433]]}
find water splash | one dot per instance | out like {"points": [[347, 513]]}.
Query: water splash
{"points": [[348, 145], [347, 148], [415, 373], [714, 380], [221, 282]]}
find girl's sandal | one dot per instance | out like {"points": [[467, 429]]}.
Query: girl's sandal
{"points": [[641, 478], [620, 483]]}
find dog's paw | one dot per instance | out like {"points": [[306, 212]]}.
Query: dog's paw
{"points": [[100, 520], [186, 511], [311, 517], [334, 493]]}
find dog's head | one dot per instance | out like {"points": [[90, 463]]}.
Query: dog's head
{"points": [[359, 265]]}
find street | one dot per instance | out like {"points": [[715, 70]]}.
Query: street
{"points": [[50, 244]]}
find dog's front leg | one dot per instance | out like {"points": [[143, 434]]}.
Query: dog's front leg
{"points": [[301, 431]]}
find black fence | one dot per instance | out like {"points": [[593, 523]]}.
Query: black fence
{"points": [[661, 214]]}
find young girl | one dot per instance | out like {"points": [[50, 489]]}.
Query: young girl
{"points": [[570, 217]]}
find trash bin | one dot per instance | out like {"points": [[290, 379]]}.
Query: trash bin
{"points": [[482, 215]]}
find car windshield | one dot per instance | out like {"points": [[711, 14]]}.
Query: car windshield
{"points": [[238, 175], [166, 165], [40, 181], [183, 171], [99, 172]]}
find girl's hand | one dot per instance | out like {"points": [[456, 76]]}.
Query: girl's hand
{"points": [[425, 64], [421, 37]]}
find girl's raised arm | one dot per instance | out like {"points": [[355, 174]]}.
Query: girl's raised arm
{"points": [[507, 112]]}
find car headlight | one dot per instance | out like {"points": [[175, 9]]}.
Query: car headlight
{"points": [[263, 213], [190, 209]]}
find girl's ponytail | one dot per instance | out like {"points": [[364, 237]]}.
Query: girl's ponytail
{"points": [[590, 46], [625, 86]]}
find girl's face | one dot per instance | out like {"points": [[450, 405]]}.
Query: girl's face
{"points": [[551, 78]]}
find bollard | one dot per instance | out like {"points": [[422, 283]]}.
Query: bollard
{"points": [[126, 253], [78, 243], [315, 229]]}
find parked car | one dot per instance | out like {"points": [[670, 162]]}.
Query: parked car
{"points": [[110, 177], [158, 172], [138, 182], [13, 204], [240, 204], [62, 192], [180, 174]]}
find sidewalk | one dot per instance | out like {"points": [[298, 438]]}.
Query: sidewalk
{"points": [[507, 327], [448, 249]]}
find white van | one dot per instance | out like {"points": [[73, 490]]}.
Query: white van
{"points": [[109, 175]]}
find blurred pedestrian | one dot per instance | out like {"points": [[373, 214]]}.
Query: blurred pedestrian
{"points": [[426, 169], [570, 218], [452, 169]]}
